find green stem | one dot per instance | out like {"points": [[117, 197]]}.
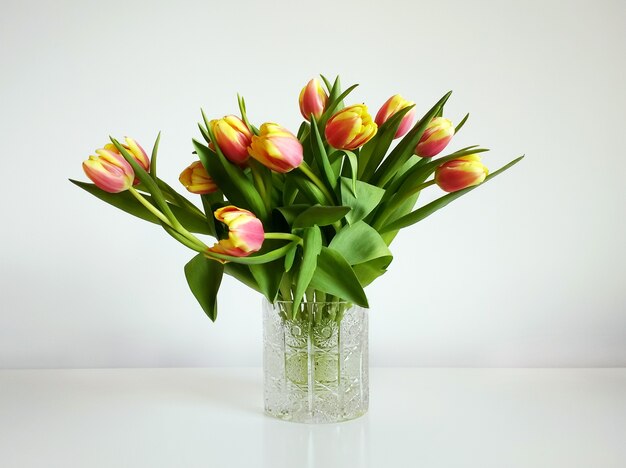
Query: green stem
{"points": [[393, 206], [306, 169], [258, 180], [175, 226], [182, 239], [283, 236], [149, 206]]}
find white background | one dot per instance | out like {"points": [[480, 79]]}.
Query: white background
{"points": [[526, 271]]}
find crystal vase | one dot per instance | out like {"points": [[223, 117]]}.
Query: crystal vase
{"points": [[315, 365]]}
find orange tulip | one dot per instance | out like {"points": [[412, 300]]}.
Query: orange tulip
{"points": [[196, 179], [461, 173]]}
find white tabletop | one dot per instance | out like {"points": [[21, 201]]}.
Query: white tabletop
{"points": [[154, 418]]}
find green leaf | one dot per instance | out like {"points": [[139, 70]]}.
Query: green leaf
{"points": [[153, 158], [290, 257], [367, 272], [268, 277], [216, 169], [126, 202], [461, 123], [329, 87], [291, 212], [205, 134], [308, 189], [176, 198], [320, 155], [335, 103], [334, 275], [290, 190], [354, 168], [244, 114], [405, 208], [204, 277], [367, 198], [439, 203], [210, 203], [312, 244], [303, 131], [320, 215], [359, 243], [404, 150], [374, 150]]}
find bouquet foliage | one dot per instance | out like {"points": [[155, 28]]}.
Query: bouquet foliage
{"points": [[304, 217]]}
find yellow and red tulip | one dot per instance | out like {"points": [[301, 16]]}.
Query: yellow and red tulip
{"points": [[135, 149], [312, 99], [350, 128], [109, 171], [393, 105], [233, 137], [435, 138], [196, 179], [245, 232], [461, 173], [276, 148]]}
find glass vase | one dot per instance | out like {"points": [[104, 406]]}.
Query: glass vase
{"points": [[315, 365]]}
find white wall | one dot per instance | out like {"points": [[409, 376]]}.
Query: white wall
{"points": [[526, 271]]}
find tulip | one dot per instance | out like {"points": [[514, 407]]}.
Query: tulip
{"points": [[245, 232], [312, 99], [233, 137], [135, 149], [196, 179], [276, 148], [393, 105], [435, 138], [109, 171], [460, 173], [350, 128]]}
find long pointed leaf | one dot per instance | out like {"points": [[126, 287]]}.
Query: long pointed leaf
{"points": [[126, 202], [433, 206], [359, 243], [335, 276], [312, 244], [374, 151], [320, 155], [366, 199], [153, 158], [204, 277], [320, 215]]}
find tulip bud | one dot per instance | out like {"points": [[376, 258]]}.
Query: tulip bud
{"points": [[109, 171], [350, 128], [276, 148], [435, 138], [245, 232], [196, 179], [461, 173], [312, 99], [137, 152], [393, 105], [233, 137]]}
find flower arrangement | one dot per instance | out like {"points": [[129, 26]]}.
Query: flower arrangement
{"points": [[306, 216]]}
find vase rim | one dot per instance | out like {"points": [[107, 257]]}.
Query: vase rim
{"points": [[310, 302]]}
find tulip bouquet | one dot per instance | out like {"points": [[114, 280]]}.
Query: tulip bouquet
{"points": [[297, 217]]}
